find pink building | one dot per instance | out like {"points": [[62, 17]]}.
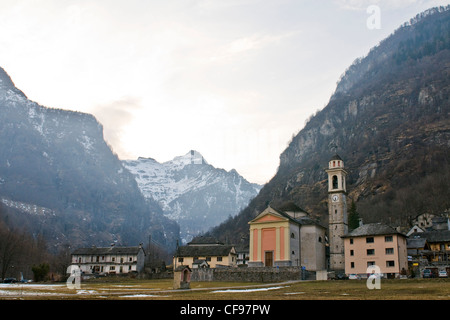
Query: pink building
{"points": [[375, 244], [287, 237]]}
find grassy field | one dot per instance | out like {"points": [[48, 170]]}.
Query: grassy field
{"points": [[395, 289]]}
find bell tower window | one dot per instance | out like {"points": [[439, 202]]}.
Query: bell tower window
{"points": [[335, 182]]}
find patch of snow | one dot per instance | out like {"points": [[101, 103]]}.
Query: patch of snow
{"points": [[28, 208], [247, 290], [141, 296]]}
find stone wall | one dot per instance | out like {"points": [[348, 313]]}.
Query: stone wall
{"points": [[264, 274]]}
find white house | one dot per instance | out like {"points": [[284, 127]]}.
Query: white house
{"points": [[109, 260]]}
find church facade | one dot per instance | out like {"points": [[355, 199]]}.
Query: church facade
{"points": [[287, 237]]}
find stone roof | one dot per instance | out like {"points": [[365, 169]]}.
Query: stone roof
{"points": [[204, 251], [204, 240], [432, 236], [290, 206], [336, 157], [301, 220], [372, 229], [416, 243], [107, 250]]}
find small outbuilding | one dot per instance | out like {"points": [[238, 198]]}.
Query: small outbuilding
{"points": [[182, 277]]}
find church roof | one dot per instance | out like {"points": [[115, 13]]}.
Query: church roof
{"points": [[290, 206], [336, 157], [304, 220]]}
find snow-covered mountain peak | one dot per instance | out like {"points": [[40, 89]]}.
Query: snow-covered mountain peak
{"points": [[192, 157], [192, 192]]}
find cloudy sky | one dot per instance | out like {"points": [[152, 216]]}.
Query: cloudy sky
{"points": [[232, 79]]}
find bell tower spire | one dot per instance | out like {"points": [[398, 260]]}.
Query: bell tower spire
{"points": [[337, 211]]}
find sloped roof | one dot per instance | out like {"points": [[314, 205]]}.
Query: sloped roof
{"points": [[107, 250], [301, 220], [373, 229], [336, 157], [204, 251], [416, 243], [433, 236], [204, 240], [290, 206]]}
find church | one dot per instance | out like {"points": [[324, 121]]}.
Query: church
{"points": [[287, 236]]}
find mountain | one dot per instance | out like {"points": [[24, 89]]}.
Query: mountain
{"points": [[389, 119], [192, 192], [59, 178]]}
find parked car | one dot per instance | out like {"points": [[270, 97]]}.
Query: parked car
{"points": [[443, 274], [10, 280], [427, 273], [354, 277]]}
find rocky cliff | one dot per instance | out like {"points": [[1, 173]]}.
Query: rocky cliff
{"points": [[59, 178], [389, 119]]}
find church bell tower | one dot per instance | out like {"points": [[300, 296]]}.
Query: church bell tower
{"points": [[337, 212]]}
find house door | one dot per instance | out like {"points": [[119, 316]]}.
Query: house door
{"points": [[268, 258]]}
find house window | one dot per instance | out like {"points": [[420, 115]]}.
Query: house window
{"points": [[292, 235], [369, 240], [113, 259], [208, 259], [389, 250], [390, 263], [130, 259], [352, 265], [180, 259], [352, 253], [351, 240], [370, 252], [388, 239], [370, 263], [219, 259]]}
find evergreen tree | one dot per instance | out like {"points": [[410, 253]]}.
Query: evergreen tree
{"points": [[353, 217]]}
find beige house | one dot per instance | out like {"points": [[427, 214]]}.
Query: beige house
{"points": [[286, 237], [205, 252], [375, 244]]}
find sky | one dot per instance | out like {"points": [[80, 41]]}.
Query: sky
{"points": [[232, 79]]}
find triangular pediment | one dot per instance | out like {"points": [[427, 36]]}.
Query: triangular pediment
{"points": [[269, 215]]}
